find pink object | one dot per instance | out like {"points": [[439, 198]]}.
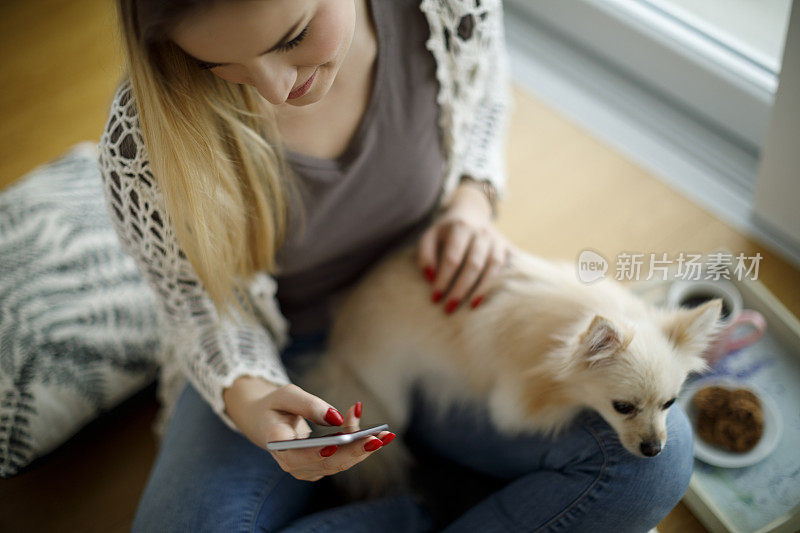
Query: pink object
{"points": [[727, 342], [682, 292]]}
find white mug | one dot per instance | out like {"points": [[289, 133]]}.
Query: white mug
{"points": [[691, 293]]}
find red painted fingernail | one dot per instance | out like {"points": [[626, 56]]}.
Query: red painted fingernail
{"points": [[437, 295], [388, 438], [477, 301], [451, 306], [327, 451], [430, 273], [373, 445], [334, 417], [358, 410]]}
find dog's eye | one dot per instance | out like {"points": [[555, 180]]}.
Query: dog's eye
{"points": [[624, 407], [666, 405]]}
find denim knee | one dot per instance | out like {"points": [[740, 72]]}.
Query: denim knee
{"points": [[654, 486], [209, 478], [632, 493], [673, 473]]}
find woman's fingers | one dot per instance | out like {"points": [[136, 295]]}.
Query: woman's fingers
{"points": [[386, 437], [426, 252], [350, 454], [473, 266], [311, 464], [496, 260], [308, 464], [452, 257], [351, 421], [293, 399], [351, 424]]}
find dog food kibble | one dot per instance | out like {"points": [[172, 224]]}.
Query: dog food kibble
{"points": [[729, 418]]}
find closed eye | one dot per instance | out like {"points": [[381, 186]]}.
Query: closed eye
{"points": [[666, 405], [206, 66], [285, 47], [624, 407]]}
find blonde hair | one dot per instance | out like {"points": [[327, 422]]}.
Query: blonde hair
{"points": [[214, 152]]}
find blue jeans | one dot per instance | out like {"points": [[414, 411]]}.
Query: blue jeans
{"points": [[209, 478]]}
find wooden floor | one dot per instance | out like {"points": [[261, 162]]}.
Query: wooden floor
{"points": [[567, 191]]}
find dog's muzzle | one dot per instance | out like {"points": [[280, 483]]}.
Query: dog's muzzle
{"points": [[650, 448]]}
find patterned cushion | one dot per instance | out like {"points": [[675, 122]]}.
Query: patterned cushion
{"points": [[78, 328]]}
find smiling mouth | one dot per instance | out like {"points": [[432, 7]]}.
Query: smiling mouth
{"points": [[303, 89]]}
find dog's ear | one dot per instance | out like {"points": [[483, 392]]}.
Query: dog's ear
{"points": [[600, 341], [692, 330]]}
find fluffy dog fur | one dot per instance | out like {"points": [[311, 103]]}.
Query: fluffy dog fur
{"points": [[541, 348]]}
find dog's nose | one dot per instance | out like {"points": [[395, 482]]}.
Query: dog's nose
{"points": [[649, 448]]}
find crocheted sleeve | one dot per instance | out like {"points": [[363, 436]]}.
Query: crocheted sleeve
{"points": [[469, 41], [484, 150], [211, 353]]}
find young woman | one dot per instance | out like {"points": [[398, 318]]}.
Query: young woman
{"points": [[260, 155]]}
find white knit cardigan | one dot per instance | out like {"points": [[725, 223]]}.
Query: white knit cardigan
{"points": [[467, 42]]}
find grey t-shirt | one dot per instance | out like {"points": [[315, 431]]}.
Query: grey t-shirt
{"points": [[382, 190]]}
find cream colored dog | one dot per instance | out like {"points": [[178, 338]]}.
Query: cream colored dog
{"points": [[541, 348]]}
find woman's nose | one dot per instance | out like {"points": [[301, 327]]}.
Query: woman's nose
{"points": [[273, 82]]}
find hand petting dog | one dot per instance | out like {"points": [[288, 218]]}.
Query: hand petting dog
{"points": [[465, 235]]}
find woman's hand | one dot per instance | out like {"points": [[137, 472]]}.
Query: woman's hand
{"points": [[465, 234], [280, 415]]}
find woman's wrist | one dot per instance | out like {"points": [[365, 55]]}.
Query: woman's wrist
{"points": [[470, 193], [243, 391]]}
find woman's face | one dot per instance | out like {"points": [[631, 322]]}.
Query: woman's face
{"points": [[277, 46]]}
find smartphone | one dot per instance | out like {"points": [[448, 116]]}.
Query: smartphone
{"points": [[324, 440]]}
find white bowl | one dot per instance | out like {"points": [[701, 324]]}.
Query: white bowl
{"points": [[708, 453]]}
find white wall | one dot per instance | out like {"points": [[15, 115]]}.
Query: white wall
{"points": [[777, 195], [756, 28]]}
